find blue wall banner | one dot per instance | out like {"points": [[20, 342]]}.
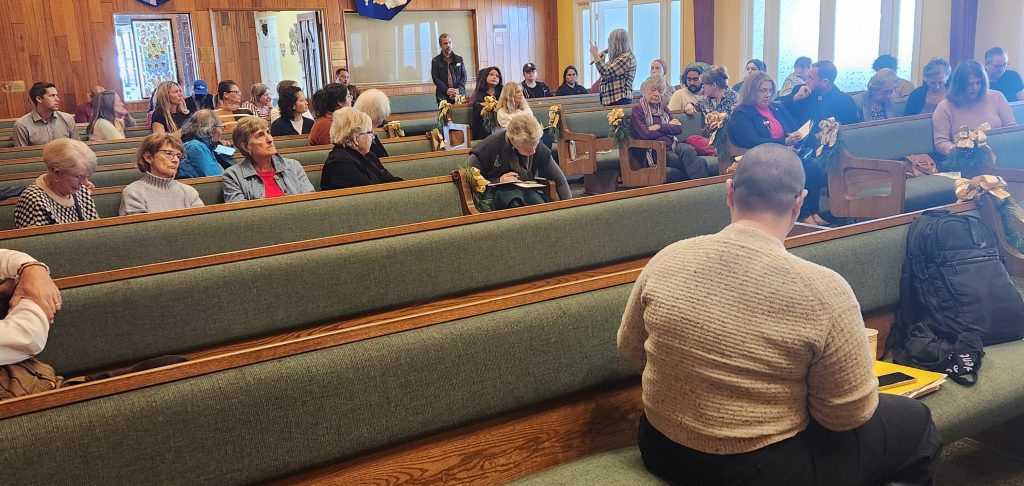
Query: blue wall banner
{"points": [[380, 9]]}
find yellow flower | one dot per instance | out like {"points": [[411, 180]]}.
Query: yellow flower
{"points": [[615, 117], [828, 134], [489, 104], [554, 114], [477, 181], [461, 100], [715, 120]]}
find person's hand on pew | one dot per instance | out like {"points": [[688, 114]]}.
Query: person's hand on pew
{"points": [[36, 285], [509, 177]]}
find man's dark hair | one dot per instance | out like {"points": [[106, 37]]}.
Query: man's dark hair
{"points": [[339, 70], [958, 82], [885, 61], [326, 100], [802, 61], [769, 180], [288, 96], [993, 52], [38, 90], [826, 70], [442, 36]]}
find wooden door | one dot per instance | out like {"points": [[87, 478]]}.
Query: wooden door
{"points": [[311, 52]]}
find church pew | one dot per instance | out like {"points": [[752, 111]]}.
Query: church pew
{"points": [[118, 167], [867, 188], [100, 148], [533, 375], [362, 272], [410, 167]]}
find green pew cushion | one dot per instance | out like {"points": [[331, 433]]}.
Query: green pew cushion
{"points": [[413, 103], [1008, 149], [419, 126], [360, 277], [263, 421], [889, 141], [927, 192]]}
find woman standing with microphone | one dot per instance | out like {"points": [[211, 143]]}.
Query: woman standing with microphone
{"points": [[618, 73]]}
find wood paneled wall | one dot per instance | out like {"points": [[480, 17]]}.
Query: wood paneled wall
{"points": [[71, 42], [238, 55]]}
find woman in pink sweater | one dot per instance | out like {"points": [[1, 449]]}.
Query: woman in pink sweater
{"points": [[969, 103]]}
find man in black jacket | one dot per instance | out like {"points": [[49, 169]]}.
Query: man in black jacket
{"points": [[448, 71], [819, 99]]}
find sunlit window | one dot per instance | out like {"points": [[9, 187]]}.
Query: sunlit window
{"points": [[646, 39], [798, 33], [152, 49]]}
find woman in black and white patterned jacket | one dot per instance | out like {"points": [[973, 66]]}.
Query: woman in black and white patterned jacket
{"points": [[63, 194]]}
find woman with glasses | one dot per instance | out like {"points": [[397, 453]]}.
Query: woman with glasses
{"points": [[63, 194], [876, 102], [229, 104], [925, 98], [203, 133], [158, 158], [969, 103], [263, 173], [351, 163], [758, 119]]}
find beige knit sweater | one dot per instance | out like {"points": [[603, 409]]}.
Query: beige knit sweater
{"points": [[739, 341]]}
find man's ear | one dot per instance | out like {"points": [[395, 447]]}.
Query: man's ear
{"points": [[730, 194], [798, 203]]}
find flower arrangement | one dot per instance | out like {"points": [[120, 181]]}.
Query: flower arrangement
{"points": [[461, 100], [438, 139], [489, 112], [394, 129], [555, 121], [1010, 213], [618, 130], [443, 117], [478, 188], [713, 124], [971, 151], [828, 138]]}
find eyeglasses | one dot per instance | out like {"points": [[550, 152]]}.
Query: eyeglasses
{"points": [[1000, 66], [235, 91], [366, 133], [765, 91], [73, 176], [171, 154]]}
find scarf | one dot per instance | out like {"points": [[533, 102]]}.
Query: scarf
{"points": [[655, 113]]}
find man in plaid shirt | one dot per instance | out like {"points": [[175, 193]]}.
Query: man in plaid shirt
{"points": [[616, 75]]}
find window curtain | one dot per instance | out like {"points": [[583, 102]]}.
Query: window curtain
{"points": [[962, 29]]}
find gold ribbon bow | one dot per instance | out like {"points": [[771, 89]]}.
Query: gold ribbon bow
{"points": [[438, 139], [714, 121], [395, 129], [827, 135], [967, 190], [489, 105], [461, 99], [969, 139], [554, 115], [477, 181], [615, 117], [442, 113]]}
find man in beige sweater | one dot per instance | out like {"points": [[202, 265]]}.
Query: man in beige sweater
{"points": [[756, 368]]}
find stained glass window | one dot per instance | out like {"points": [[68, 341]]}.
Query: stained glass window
{"points": [[152, 49]]}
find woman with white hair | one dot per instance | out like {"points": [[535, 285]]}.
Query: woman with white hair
{"points": [[63, 194], [651, 120], [511, 103], [517, 155], [377, 106], [203, 132], [618, 73], [350, 163], [876, 102]]}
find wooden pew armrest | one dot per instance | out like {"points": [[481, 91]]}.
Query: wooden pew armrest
{"points": [[585, 160], [635, 173], [866, 188]]}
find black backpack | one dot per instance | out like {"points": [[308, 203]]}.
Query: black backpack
{"points": [[955, 297]]}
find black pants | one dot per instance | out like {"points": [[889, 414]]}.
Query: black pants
{"points": [[684, 157], [623, 101], [814, 180], [899, 443]]}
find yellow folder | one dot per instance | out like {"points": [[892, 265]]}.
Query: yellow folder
{"points": [[927, 381]]}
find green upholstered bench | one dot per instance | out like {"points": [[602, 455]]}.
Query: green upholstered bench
{"points": [[584, 133], [413, 103], [143, 240], [157, 312]]}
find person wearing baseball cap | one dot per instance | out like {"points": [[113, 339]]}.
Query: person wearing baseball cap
{"points": [[531, 87], [200, 99]]}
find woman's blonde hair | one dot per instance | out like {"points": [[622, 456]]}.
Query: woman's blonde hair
{"points": [[257, 91], [154, 142], [163, 101], [523, 128], [507, 100], [245, 128], [618, 42], [67, 154], [374, 103], [347, 123]]}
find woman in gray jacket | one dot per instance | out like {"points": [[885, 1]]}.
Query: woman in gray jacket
{"points": [[263, 173]]}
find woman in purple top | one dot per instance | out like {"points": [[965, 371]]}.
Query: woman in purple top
{"points": [[969, 103], [651, 120]]}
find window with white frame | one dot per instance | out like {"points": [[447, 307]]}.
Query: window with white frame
{"points": [[850, 33], [655, 28]]}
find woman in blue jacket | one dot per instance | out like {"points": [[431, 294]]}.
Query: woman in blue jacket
{"points": [[202, 134]]}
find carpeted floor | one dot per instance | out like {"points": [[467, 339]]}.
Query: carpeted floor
{"points": [[994, 457]]}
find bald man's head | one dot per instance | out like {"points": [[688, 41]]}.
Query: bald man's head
{"points": [[768, 181], [96, 91]]}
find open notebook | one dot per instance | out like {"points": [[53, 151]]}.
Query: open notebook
{"points": [[927, 381]]}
